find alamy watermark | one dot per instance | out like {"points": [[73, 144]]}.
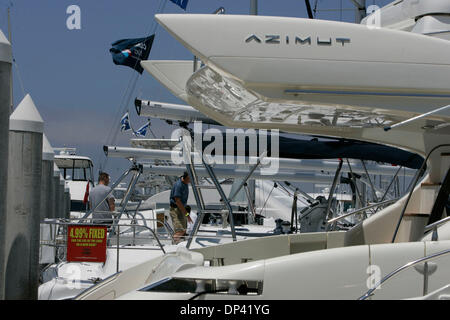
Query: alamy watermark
{"points": [[373, 282], [73, 22], [232, 147], [374, 17]]}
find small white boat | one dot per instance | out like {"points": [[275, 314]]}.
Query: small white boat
{"points": [[78, 172]]}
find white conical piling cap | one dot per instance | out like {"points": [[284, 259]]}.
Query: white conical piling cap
{"points": [[5, 49], [56, 171], [26, 117], [47, 150]]}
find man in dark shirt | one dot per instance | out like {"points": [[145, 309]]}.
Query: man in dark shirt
{"points": [[178, 201]]}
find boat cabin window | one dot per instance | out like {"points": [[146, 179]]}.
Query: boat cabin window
{"points": [[75, 169], [206, 286], [80, 174]]}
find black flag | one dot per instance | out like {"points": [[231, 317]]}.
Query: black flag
{"points": [[181, 3], [130, 52]]}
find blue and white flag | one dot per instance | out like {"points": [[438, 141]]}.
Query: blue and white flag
{"points": [[142, 131], [181, 3], [125, 123]]}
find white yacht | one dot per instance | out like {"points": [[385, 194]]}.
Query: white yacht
{"points": [[145, 225], [145, 229], [78, 172], [385, 83]]}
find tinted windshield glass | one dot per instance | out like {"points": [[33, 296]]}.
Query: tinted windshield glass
{"points": [[179, 285], [80, 174], [75, 169]]}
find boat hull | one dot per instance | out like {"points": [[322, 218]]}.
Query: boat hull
{"points": [[319, 63]]}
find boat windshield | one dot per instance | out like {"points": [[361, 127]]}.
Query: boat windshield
{"points": [[75, 169], [204, 286]]}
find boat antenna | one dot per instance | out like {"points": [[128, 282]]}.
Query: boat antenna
{"points": [[315, 7], [308, 8], [416, 118]]}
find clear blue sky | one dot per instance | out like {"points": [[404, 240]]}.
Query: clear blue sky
{"points": [[70, 74]]}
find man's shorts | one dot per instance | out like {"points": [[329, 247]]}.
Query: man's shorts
{"points": [[179, 220]]}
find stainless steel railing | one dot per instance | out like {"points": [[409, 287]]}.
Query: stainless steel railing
{"points": [[376, 205], [126, 239], [370, 292], [434, 226], [59, 239]]}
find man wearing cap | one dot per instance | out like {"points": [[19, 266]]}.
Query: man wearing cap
{"points": [[178, 201]]}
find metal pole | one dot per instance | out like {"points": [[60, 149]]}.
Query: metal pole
{"points": [[134, 221], [386, 202], [129, 191], [195, 63], [356, 185], [194, 183], [200, 206], [61, 198], [187, 145], [390, 184], [231, 198], [333, 187], [251, 207], [140, 154], [117, 248], [309, 10], [137, 174], [416, 118], [224, 198], [309, 199], [54, 209], [294, 211], [370, 182]]}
